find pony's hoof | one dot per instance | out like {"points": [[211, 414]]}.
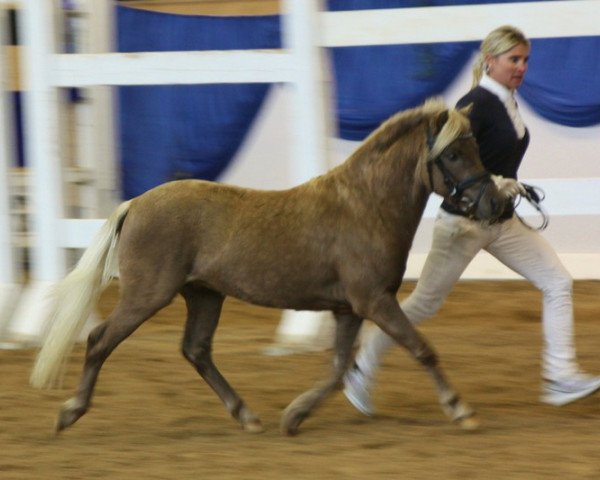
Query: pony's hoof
{"points": [[289, 430], [254, 426], [69, 413], [461, 414], [470, 424], [249, 422], [291, 421]]}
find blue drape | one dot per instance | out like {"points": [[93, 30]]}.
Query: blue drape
{"points": [[169, 132], [563, 80], [373, 83], [562, 85], [342, 5], [172, 132]]}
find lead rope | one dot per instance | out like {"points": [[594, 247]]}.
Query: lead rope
{"points": [[534, 195]]}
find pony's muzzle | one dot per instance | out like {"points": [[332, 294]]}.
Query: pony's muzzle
{"points": [[496, 206], [487, 204]]}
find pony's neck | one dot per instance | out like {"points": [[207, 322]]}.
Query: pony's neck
{"points": [[391, 182]]}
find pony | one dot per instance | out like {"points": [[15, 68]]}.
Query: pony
{"points": [[338, 242]]}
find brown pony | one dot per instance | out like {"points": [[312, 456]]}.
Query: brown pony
{"points": [[338, 242]]}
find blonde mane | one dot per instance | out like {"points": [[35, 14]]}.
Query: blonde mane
{"points": [[389, 131], [456, 125]]}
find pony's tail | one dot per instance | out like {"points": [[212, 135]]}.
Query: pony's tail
{"points": [[74, 298]]}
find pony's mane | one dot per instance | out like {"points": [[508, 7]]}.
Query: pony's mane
{"points": [[456, 125], [388, 132]]}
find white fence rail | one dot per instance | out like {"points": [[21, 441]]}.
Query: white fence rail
{"points": [[458, 23], [173, 68]]}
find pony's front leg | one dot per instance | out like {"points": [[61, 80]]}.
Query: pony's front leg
{"points": [[347, 328], [388, 315], [456, 409]]}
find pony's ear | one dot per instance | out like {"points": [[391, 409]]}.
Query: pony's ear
{"points": [[440, 120], [466, 110]]}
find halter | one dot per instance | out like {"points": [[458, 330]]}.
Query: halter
{"points": [[456, 189]]}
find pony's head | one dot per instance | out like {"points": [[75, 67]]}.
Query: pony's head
{"points": [[453, 166]]}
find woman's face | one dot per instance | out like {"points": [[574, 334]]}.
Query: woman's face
{"points": [[509, 67]]}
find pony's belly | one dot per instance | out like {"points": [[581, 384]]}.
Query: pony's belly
{"points": [[284, 295]]}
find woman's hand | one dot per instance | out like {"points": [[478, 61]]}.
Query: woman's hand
{"points": [[509, 187]]}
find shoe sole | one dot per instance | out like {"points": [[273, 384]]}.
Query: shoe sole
{"points": [[559, 399], [357, 404]]}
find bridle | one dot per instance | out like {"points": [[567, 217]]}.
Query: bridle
{"points": [[456, 188]]}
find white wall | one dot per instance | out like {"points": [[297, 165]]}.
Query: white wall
{"points": [[563, 160]]}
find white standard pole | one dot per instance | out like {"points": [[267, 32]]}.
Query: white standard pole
{"points": [[43, 159], [311, 125], [95, 125], [10, 286], [106, 161]]}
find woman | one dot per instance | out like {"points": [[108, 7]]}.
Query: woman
{"points": [[502, 139]]}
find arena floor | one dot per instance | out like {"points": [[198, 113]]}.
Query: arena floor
{"points": [[153, 418]]}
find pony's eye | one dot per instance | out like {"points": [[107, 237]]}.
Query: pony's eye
{"points": [[451, 156]]}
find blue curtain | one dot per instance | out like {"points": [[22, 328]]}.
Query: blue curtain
{"points": [[563, 80], [170, 132], [343, 5], [373, 83]]}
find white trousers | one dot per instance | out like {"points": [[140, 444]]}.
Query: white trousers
{"points": [[456, 240]]}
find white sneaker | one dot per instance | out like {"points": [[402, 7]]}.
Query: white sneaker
{"points": [[356, 389], [576, 387]]}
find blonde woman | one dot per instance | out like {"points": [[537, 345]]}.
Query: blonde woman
{"points": [[503, 139]]}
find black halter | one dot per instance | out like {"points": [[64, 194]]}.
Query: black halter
{"points": [[456, 188]]}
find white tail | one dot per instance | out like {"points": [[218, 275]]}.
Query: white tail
{"points": [[73, 300]]}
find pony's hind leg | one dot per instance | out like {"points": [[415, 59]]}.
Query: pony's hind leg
{"points": [[204, 310], [129, 314], [347, 327], [388, 315]]}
